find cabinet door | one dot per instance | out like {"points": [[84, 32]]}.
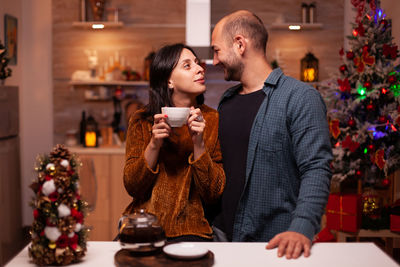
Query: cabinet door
{"points": [[98, 218], [120, 199]]}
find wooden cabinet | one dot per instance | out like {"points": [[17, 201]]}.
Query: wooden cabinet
{"points": [[101, 179]]}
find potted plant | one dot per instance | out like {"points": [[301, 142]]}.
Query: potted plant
{"points": [[4, 70]]}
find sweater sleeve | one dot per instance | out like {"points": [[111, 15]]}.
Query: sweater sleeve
{"points": [[312, 150], [139, 178], [208, 172]]}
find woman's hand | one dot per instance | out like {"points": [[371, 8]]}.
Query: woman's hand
{"points": [[196, 125], [160, 130]]}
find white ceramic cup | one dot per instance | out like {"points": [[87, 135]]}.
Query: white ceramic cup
{"points": [[177, 116]]}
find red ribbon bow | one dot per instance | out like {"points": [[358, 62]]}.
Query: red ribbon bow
{"points": [[364, 59], [350, 144]]}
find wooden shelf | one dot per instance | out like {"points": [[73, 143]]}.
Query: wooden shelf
{"points": [[110, 83], [88, 24], [303, 26]]}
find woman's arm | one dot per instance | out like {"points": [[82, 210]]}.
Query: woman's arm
{"points": [[208, 172], [141, 169]]}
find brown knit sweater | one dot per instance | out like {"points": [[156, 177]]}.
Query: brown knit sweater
{"points": [[175, 190]]}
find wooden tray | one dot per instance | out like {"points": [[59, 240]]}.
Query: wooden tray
{"points": [[125, 258]]}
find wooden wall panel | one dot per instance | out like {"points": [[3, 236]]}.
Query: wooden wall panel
{"points": [[149, 24]]}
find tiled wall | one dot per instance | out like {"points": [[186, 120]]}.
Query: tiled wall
{"points": [[151, 23]]}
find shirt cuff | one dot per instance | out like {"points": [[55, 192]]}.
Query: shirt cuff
{"points": [[201, 161], [156, 171], [302, 226]]}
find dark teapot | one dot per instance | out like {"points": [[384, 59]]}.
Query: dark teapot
{"points": [[141, 232]]}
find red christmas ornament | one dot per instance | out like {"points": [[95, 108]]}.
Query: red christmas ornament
{"points": [[62, 241], [365, 48], [343, 68], [367, 85], [350, 55], [35, 214], [351, 122], [370, 106], [386, 182], [384, 22], [371, 148], [344, 85], [382, 119], [392, 79]]}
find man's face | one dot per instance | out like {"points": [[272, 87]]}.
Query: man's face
{"points": [[226, 56]]}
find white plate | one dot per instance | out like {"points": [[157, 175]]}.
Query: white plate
{"points": [[185, 251]]}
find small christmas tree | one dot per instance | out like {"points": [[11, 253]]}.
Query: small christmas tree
{"points": [[4, 71], [364, 109], [58, 234]]}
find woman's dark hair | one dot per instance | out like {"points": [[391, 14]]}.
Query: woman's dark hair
{"points": [[161, 68]]}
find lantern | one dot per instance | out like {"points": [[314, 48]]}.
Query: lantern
{"points": [[91, 139], [309, 68]]}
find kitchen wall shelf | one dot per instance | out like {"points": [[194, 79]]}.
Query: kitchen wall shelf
{"points": [[303, 26], [109, 83], [107, 24]]}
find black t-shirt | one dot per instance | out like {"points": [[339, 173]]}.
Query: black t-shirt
{"points": [[236, 116]]}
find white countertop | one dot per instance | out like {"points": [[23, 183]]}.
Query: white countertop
{"points": [[250, 254]]}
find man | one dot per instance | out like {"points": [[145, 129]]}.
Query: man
{"points": [[275, 144]]}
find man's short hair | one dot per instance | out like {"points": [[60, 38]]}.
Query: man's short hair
{"points": [[250, 26]]}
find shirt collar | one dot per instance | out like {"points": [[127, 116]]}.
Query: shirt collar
{"points": [[273, 77]]}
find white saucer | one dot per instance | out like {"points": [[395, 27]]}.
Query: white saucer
{"points": [[185, 251]]}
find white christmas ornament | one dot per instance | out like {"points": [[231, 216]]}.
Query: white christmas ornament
{"points": [[63, 210], [78, 227], [48, 187], [71, 235], [52, 233], [48, 166], [64, 163]]}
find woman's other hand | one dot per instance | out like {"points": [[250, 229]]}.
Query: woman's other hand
{"points": [[160, 130], [197, 124]]}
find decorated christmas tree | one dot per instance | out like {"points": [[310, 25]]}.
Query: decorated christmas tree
{"points": [[58, 233], [364, 109], [4, 70]]}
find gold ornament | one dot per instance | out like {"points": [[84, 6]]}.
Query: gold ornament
{"points": [[52, 245], [52, 170], [371, 203]]}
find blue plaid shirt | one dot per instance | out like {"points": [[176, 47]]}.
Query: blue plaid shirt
{"points": [[287, 171]]}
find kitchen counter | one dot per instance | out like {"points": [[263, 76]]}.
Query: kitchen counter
{"points": [[249, 254]]}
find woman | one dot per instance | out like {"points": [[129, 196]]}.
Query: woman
{"points": [[172, 172]]}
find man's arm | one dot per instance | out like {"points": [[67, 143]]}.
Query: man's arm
{"points": [[312, 150]]}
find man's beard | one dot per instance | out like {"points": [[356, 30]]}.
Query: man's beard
{"points": [[233, 69]]}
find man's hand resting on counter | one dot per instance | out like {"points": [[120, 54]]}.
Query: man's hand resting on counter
{"points": [[290, 244]]}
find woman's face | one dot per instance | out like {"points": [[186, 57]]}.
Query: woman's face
{"points": [[187, 78]]}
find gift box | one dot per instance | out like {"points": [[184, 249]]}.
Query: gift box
{"points": [[343, 212], [394, 223], [325, 235]]}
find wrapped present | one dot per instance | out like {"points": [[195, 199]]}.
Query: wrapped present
{"points": [[394, 223], [343, 212], [395, 217], [325, 235]]}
